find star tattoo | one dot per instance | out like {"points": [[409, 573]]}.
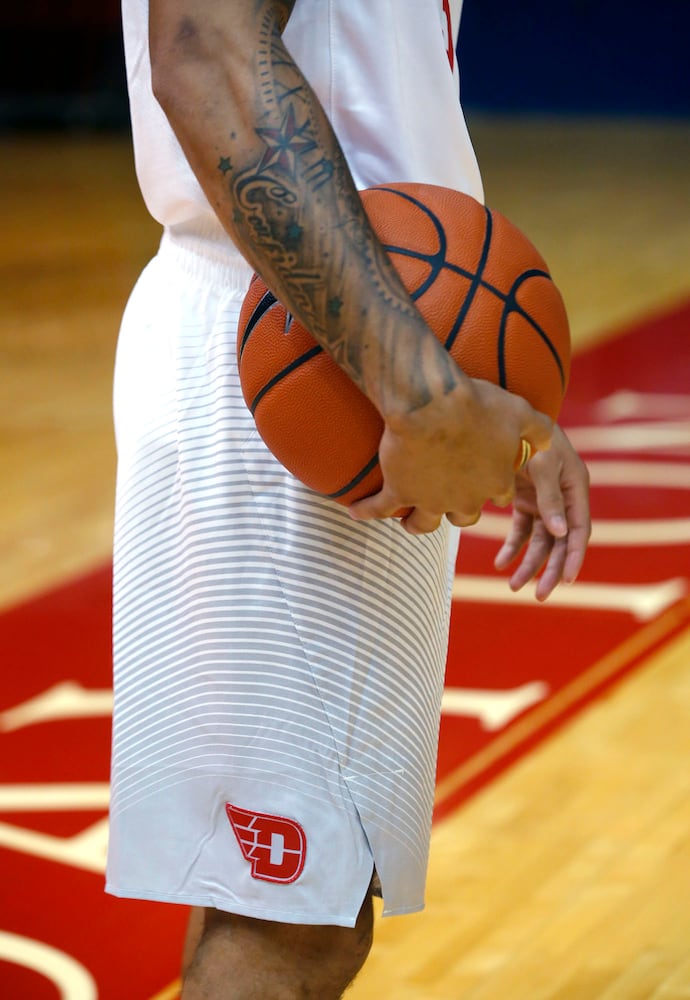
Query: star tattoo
{"points": [[293, 235], [285, 144]]}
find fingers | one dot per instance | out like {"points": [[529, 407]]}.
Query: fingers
{"points": [[379, 505], [543, 553], [416, 521], [545, 474], [541, 549], [559, 560], [578, 539], [552, 574], [546, 554], [517, 538], [580, 526], [564, 506], [551, 522], [421, 522]]}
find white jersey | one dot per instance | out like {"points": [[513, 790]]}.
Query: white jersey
{"points": [[386, 74]]}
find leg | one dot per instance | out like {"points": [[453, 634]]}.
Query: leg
{"points": [[195, 928], [239, 958]]}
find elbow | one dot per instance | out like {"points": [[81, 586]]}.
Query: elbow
{"points": [[160, 83], [170, 55], [191, 61]]}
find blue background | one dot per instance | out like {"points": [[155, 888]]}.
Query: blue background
{"points": [[576, 56], [61, 65]]}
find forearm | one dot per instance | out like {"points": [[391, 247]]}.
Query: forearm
{"points": [[266, 156]]}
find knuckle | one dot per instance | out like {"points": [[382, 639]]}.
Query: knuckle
{"points": [[461, 520], [426, 528]]}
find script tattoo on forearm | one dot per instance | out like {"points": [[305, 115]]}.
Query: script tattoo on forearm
{"points": [[297, 172]]}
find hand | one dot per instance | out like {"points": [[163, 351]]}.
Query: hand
{"points": [[551, 519], [452, 455]]}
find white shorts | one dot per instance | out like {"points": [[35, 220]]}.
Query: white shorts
{"points": [[278, 666]]}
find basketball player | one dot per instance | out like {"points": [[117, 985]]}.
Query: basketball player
{"points": [[278, 659]]}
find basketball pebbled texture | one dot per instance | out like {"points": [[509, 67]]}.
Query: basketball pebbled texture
{"points": [[481, 286]]}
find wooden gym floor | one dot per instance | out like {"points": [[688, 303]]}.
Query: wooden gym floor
{"points": [[608, 204]]}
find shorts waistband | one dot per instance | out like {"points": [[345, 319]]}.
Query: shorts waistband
{"points": [[208, 256]]}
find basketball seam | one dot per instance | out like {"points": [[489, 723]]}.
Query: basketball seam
{"points": [[266, 302], [283, 373], [510, 304], [476, 280], [356, 480], [475, 283]]}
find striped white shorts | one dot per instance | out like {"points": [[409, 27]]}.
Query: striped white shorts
{"points": [[278, 666]]}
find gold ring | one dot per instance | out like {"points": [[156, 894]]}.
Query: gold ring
{"points": [[525, 454]]}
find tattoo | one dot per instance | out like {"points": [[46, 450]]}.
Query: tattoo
{"points": [[334, 306], [285, 145], [284, 9], [297, 170]]}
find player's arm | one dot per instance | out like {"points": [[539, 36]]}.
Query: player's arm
{"points": [[266, 156]]}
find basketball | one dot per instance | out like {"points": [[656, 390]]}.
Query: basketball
{"points": [[481, 286]]}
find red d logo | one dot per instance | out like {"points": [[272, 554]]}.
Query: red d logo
{"points": [[275, 847]]}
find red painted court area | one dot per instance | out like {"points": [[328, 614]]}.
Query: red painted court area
{"points": [[515, 672]]}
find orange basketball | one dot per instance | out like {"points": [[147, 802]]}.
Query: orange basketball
{"points": [[480, 284]]}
